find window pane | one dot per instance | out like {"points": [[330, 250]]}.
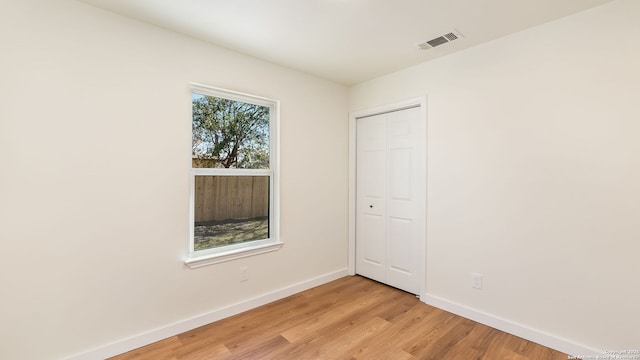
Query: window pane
{"points": [[229, 134], [230, 210]]}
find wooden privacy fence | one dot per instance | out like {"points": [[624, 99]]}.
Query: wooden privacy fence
{"points": [[220, 198]]}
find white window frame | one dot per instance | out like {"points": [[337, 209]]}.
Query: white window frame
{"points": [[220, 254]]}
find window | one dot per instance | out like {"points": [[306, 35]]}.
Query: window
{"points": [[234, 192]]}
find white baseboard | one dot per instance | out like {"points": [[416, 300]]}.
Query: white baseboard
{"points": [[179, 327], [513, 328]]}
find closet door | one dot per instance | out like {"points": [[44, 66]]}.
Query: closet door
{"points": [[391, 198], [406, 195], [371, 183]]}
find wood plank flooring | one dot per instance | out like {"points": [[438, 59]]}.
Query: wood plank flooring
{"points": [[350, 318]]}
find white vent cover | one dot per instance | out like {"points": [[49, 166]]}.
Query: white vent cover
{"points": [[453, 35]]}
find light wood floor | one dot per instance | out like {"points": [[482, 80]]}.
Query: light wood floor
{"points": [[350, 318]]}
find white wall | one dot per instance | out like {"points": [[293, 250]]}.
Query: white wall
{"points": [[95, 151], [533, 174]]}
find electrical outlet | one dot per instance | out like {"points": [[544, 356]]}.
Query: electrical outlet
{"points": [[244, 274], [476, 281]]}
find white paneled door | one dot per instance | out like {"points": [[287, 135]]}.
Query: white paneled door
{"points": [[391, 198]]}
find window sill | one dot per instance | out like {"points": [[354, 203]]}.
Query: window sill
{"points": [[210, 259]]}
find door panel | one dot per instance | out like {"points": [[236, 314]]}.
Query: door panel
{"points": [[405, 217], [399, 258], [400, 174], [370, 199], [374, 161], [373, 249]]}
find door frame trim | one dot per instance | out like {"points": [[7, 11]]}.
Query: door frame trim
{"points": [[420, 101]]}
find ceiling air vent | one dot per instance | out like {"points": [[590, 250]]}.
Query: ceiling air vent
{"points": [[440, 40]]}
